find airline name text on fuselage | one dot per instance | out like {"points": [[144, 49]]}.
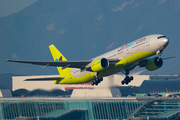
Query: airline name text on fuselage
{"points": [[131, 44]]}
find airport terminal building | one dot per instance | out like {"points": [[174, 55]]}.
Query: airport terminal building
{"points": [[133, 108], [65, 108]]}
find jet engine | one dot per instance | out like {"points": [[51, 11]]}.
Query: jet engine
{"points": [[99, 65], [154, 63]]}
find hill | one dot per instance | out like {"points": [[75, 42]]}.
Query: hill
{"points": [[83, 29]]}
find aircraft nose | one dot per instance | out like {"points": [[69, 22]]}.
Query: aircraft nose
{"points": [[165, 42]]}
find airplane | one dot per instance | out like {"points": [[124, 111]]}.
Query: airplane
{"points": [[122, 59]]}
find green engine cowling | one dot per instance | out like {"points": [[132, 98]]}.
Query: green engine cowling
{"points": [[99, 65], [154, 63]]}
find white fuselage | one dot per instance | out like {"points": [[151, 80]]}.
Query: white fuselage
{"points": [[152, 43]]}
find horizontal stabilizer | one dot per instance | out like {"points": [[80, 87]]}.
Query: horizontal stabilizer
{"points": [[44, 79]]}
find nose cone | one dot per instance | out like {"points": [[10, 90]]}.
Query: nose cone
{"points": [[165, 42]]}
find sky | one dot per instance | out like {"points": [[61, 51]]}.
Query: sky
{"points": [[8, 7]]}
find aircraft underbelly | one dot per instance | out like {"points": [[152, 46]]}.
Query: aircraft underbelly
{"points": [[126, 63], [80, 77]]}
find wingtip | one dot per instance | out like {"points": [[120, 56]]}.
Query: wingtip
{"points": [[8, 60]]}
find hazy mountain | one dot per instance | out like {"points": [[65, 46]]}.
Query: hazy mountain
{"points": [[83, 29]]}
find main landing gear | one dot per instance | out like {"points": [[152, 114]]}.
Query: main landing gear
{"points": [[97, 81], [127, 79]]}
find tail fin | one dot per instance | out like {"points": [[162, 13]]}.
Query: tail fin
{"points": [[57, 56]]}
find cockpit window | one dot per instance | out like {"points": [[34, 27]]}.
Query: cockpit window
{"points": [[161, 37]]}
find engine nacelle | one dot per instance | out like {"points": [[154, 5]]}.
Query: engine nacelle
{"points": [[99, 64], [154, 63]]}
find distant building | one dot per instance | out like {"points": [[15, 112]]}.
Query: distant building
{"points": [[109, 87], [160, 86], [164, 77]]}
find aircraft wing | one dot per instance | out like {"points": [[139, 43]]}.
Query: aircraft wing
{"points": [[168, 58], [72, 64], [45, 79]]}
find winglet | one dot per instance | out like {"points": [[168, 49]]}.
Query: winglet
{"points": [[8, 60]]}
